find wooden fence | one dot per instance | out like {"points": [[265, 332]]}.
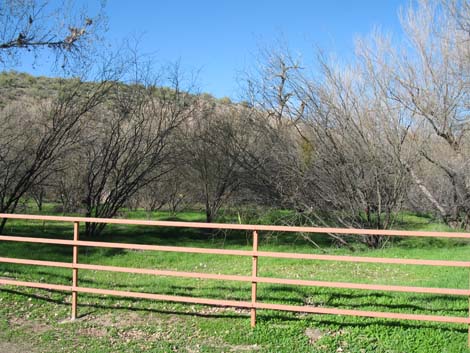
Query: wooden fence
{"points": [[254, 279]]}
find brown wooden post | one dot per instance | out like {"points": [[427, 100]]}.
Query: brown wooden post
{"points": [[75, 271], [254, 274]]}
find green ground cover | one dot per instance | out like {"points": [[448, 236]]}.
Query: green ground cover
{"points": [[37, 320]]}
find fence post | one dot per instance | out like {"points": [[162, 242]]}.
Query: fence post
{"points": [[254, 274], [75, 270]]}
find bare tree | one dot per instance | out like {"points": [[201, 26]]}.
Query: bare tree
{"points": [[32, 25], [35, 136], [271, 87], [459, 11], [68, 187], [429, 75], [128, 144], [332, 151], [358, 142], [270, 119], [173, 192], [208, 140]]}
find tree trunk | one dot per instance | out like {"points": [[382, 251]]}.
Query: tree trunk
{"points": [[428, 195], [373, 241], [2, 224], [209, 215]]}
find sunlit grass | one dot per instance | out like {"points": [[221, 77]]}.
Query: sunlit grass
{"points": [[110, 324]]}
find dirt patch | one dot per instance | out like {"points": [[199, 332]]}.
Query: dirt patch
{"points": [[123, 323], [28, 325], [245, 348], [93, 331], [314, 334], [118, 320], [13, 347], [136, 334], [220, 309]]}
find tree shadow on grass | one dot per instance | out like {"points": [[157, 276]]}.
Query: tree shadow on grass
{"points": [[124, 307], [266, 317], [346, 299], [150, 235], [288, 295], [341, 321]]}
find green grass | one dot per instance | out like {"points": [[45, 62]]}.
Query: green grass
{"points": [[36, 320]]}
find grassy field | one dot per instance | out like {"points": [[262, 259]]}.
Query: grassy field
{"points": [[37, 321]]}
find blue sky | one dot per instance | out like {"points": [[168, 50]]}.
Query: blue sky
{"points": [[221, 38]]}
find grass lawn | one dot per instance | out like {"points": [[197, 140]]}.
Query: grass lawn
{"points": [[33, 320]]}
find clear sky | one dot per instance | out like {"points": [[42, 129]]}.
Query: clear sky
{"points": [[220, 38]]}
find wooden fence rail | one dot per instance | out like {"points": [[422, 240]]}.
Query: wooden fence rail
{"points": [[254, 279]]}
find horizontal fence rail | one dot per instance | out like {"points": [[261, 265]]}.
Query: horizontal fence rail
{"points": [[254, 279]]}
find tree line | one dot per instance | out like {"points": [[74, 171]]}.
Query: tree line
{"points": [[344, 144]]}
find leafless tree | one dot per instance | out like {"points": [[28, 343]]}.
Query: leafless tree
{"points": [[459, 10], [270, 119], [173, 192], [68, 187], [358, 143], [333, 149], [208, 140], [36, 135], [429, 78], [128, 144], [271, 87], [33, 25]]}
